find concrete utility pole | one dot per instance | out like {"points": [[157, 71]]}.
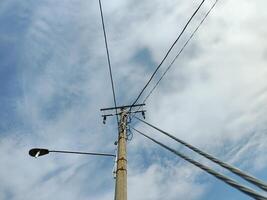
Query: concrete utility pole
{"points": [[121, 171]]}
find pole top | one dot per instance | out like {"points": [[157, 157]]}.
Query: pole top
{"points": [[122, 107]]}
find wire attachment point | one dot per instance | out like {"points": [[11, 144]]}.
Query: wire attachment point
{"points": [[143, 114], [104, 119]]}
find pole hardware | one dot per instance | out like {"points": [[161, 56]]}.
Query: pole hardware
{"points": [[129, 109]]}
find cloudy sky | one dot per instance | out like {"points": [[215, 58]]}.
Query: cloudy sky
{"points": [[54, 79]]}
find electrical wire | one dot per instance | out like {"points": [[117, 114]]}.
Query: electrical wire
{"points": [[154, 73], [177, 56], [244, 189], [129, 135], [109, 63], [181, 50], [234, 170]]}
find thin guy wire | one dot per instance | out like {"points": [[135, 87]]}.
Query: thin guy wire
{"points": [[244, 189], [181, 50], [109, 63], [234, 170], [167, 54]]}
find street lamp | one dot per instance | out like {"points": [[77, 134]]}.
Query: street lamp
{"points": [[37, 152]]}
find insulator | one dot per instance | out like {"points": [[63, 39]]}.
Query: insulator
{"points": [[143, 114], [104, 119]]}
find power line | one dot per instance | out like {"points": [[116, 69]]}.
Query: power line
{"points": [[181, 50], [234, 170], [179, 53], [167, 53], [109, 64], [244, 189]]}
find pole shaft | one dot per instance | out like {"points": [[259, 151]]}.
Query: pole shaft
{"points": [[121, 172]]}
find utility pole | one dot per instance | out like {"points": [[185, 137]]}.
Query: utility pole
{"points": [[121, 169]]}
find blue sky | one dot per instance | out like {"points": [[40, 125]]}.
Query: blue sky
{"points": [[54, 80]]}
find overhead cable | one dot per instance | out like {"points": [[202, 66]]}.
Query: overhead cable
{"points": [[179, 53], [109, 63], [181, 50], [244, 189], [231, 168], [168, 52]]}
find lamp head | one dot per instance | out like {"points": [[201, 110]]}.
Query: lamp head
{"points": [[36, 152]]}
